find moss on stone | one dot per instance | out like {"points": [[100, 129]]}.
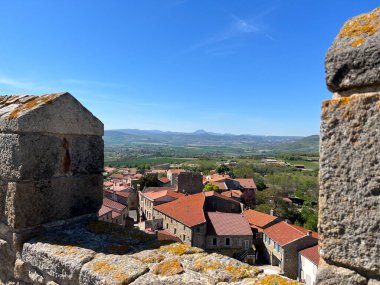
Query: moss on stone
{"points": [[180, 249]]}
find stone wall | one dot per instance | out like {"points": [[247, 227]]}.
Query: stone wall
{"points": [[51, 160], [349, 223]]}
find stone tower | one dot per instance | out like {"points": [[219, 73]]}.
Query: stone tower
{"points": [[349, 222], [51, 160]]}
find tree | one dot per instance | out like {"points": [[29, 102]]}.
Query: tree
{"points": [[223, 169], [148, 181], [211, 187]]}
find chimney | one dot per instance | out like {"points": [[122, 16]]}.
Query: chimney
{"points": [[309, 233], [287, 221], [271, 212]]}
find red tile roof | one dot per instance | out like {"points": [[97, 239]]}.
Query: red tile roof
{"points": [[228, 224], [258, 219], [123, 194], [283, 233], [163, 193], [305, 231], [164, 180], [113, 205], [104, 210], [232, 193], [188, 210], [115, 214], [164, 235], [221, 185], [311, 253], [107, 184], [116, 176], [246, 183], [216, 194]]}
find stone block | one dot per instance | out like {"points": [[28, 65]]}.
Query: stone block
{"points": [[35, 156], [33, 203], [59, 263], [349, 206], [333, 275], [111, 269], [57, 113], [353, 60]]}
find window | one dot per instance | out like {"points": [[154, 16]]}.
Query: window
{"points": [[167, 226], [175, 231], [184, 228], [228, 241], [184, 237], [214, 241]]}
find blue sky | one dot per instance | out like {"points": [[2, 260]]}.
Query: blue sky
{"points": [[241, 66]]}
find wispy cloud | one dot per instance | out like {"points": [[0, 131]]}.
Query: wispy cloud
{"points": [[236, 28]]}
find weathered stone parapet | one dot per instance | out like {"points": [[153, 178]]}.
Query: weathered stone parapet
{"points": [[353, 60], [349, 203], [98, 253], [51, 162]]}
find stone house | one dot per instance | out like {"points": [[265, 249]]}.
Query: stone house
{"points": [[258, 222], [171, 173], [153, 196], [216, 202], [119, 212], [308, 261], [184, 218], [229, 234], [187, 182], [282, 243]]}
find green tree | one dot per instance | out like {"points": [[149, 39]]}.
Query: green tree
{"points": [[211, 187]]}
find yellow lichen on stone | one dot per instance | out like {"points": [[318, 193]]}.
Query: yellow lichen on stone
{"points": [[105, 267], [344, 100], [168, 268], [362, 26], [357, 42], [275, 280], [153, 259], [180, 249], [34, 102], [237, 272]]}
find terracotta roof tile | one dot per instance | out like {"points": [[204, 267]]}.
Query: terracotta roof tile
{"points": [[228, 224], [187, 210], [283, 233], [113, 205], [232, 193], [163, 193], [104, 210], [246, 182], [311, 253], [164, 180], [305, 231], [257, 218]]}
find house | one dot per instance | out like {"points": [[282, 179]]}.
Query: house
{"points": [[229, 234], [258, 222], [119, 212], [233, 194], [105, 214], [246, 183], [282, 243], [308, 261], [149, 199], [164, 181], [188, 182], [184, 218], [174, 172], [216, 202]]}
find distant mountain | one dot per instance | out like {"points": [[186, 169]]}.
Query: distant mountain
{"points": [[201, 138]]}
